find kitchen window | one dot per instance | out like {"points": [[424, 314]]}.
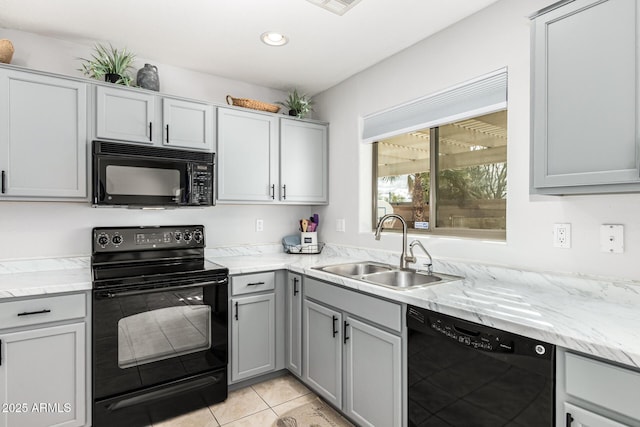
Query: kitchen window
{"points": [[449, 179], [441, 161]]}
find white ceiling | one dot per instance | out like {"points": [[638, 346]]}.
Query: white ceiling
{"points": [[222, 37]]}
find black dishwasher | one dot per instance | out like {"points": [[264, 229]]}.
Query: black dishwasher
{"points": [[466, 374]]}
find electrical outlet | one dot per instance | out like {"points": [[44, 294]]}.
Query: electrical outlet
{"points": [[340, 225], [259, 225], [612, 238], [562, 235]]}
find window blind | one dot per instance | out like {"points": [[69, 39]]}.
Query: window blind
{"points": [[479, 96]]}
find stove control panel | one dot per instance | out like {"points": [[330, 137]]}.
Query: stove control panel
{"points": [[120, 239]]}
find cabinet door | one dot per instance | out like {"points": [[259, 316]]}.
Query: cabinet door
{"points": [[578, 417], [247, 156], [253, 336], [293, 332], [322, 368], [585, 96], [125, 115], [43, 376], [44, 136], [373, 375], [303, 162], [187, 124]]}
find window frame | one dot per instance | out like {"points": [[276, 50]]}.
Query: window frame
{"points": [[433, 230]]}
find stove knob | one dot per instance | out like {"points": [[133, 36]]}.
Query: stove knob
{"points": [[178, 236], [187, 236], [197, 236], [116, 240], [103, 239]]}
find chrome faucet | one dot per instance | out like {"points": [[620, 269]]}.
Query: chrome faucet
{"points": [[404, 259], [412, 258]]}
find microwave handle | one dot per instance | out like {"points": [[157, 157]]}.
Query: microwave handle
{"points": [[151, 131], [167, 133]]}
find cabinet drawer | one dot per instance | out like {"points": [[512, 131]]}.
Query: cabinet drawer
{"points": [[605, 385], [373, 309], [42, 310], [249, 283]]}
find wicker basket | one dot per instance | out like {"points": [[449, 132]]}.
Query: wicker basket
{"points": [[253, 104], [6, 51]]}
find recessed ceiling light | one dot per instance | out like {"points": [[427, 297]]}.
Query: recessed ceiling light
{"points": [[274, 39]]}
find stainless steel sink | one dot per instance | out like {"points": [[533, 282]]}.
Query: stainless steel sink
{"points": [[402, 278], [355, 269], [386, 275]]}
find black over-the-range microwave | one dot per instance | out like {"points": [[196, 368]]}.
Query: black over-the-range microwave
{"points": [[135, 175]]}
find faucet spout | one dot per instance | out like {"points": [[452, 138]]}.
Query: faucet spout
{"points": [[404, 259]]}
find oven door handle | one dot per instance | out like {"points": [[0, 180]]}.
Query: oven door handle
{"points": [[174, 390], [120, 294]]}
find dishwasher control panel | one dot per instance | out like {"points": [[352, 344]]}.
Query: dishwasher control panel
{"points": [[475, 339]]}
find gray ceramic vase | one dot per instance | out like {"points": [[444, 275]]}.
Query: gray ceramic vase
{"points": [[147, 77]]}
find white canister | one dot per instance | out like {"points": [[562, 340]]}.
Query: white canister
{"points": [[309, 238]]}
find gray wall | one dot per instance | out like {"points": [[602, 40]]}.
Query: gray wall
{"points": [[491, 39], [44, 229]]}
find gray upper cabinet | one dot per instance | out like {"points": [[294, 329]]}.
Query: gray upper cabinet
{"points": [[134, 116], [286, 159], [43, 136], [247, 156], [188, 124], [126, 115], [585, 98], [303, 161]]}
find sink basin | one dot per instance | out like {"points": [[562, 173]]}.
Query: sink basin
{"points": [[386, 275], [402, 278], [355, 269]]}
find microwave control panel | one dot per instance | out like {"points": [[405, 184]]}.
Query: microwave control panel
{"points": [[201, 185]]}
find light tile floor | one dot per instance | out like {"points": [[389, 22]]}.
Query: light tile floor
{"points": [[258, 405]]}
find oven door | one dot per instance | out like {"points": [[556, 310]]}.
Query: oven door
{"points": [[148, 337], [119, 180]]}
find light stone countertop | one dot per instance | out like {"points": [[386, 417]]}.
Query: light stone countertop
{"points": [[23, 278], [599, 317]]}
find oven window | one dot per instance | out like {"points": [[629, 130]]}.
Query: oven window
{"points": [[162, 334], [135, 180]]}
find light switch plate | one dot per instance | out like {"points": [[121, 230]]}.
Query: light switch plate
{"points": [[612, 238], [340, 225]]}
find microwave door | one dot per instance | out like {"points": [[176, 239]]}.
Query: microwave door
{"points": [[142, 183]]}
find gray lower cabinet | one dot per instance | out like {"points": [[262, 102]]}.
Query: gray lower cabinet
{"points": [[253, 334], [293, 325], [43, 365], [323, 351], [372, 373], [594, 393], [43, 136], [353, 353], [584, 98]]}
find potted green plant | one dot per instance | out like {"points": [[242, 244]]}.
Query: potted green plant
{"points": [[299, 105], [109, 64]]}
